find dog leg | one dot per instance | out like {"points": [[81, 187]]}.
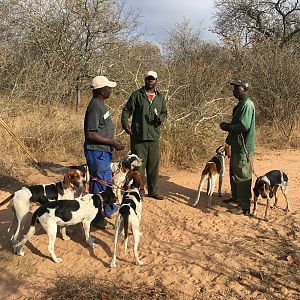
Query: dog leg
{"points": [[212, 180], [51, 229], [117, 233], [267, 209], [220, 185], [18, 248], [203, 178], [86, 227], [136, 239], [254, 207], [276, 199], [63, 233], [284, 190], [21, 215]]}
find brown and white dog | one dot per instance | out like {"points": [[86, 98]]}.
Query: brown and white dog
{"points": [[215, 166], [64, 213], [40, 194], [129, 215], [120, 172], [267, 185]]}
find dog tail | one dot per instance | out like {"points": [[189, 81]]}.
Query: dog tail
{"points": [[7, 199], [125, 212], [31, 230]]}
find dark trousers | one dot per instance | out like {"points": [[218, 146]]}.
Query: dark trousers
{"points": [[99, 166], [149, 151], [241, 179]]}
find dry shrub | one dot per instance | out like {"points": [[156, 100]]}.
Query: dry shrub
{"points": [[50, 135], [89, 288]]}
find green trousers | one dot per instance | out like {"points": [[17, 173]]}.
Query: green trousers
{"points": [[241, 179], [149, 151]]}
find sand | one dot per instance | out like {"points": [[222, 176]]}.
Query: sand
{"points": [[192, 251]]}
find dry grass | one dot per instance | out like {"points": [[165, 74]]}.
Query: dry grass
{"points": [[90, 288]]}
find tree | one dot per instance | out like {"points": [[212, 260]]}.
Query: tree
{"points": [[54, 47], [245, 20]]}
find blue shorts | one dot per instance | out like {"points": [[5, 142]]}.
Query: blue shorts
{"points": [[99, 166]]}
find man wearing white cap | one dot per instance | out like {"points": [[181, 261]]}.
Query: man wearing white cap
{"points": [[99, 139], [147, 107]]}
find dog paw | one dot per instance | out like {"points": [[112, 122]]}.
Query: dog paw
{"points": [[139, 263], [91, 243], [66, 238], [112, 265], [20, 252], [266, 219], [58, 260]]}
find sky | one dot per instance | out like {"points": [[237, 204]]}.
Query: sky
{"points": [[158, 16]]}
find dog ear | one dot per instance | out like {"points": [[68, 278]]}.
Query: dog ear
{"points": [[97, 200], [68, 178], [217, 150]]}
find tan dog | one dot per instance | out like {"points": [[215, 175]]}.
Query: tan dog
{"points": [[214, 167]]}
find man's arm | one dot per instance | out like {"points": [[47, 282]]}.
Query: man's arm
{"points": [[244, 121], [127, 113], [94, 136]]}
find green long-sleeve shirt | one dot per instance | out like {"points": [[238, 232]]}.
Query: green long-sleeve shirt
{"points": [[138, 106], [243, 122]]}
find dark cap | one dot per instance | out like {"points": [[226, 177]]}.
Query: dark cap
{"points": [[239, 83]]}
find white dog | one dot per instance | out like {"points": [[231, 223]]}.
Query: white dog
{"points": [[40, 194], [129, 215], [65, 213]]}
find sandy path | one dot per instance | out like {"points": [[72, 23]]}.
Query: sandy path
{"points": [[191, 250]]}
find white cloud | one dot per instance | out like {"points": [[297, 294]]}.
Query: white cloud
{"points": [[157, 16]]}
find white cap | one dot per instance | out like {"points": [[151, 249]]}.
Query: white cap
{"points": [[151, 73], [101, 81]]}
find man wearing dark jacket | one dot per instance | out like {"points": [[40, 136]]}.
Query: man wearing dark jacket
{"points": [[148, 110], [241, 134]]}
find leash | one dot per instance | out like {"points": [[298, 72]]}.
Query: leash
{"points": [[107, 183], [248, 155]]}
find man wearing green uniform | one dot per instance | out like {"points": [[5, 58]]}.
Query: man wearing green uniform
{"points": [[147, 107], [241, 139]]}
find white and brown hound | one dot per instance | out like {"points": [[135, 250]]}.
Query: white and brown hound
{"points": [[215, 166], [129, 215], [64, 213], [267, 185], [40, 194], [120, 171]]}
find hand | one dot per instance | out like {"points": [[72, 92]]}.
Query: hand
{"points": [[157, 120], [225, 126], [127, 128], [118, 145]]}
